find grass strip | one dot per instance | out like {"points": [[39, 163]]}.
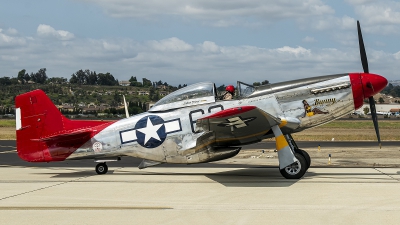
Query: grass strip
{"points": [[7, 123]]}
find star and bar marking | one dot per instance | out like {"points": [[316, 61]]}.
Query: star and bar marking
{"points": [[150, 131]]}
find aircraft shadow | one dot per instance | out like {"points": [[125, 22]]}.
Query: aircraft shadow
{"points": [[14, 160], [70, 174], [253, 177], [248, 177]]}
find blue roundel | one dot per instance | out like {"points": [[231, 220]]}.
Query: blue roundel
{"points": [[150, 131]]}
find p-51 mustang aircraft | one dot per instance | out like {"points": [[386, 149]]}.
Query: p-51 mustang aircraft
{"points": [[191, 125]]}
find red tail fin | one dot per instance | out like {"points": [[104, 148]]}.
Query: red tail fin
{"points": [[44, 134]]}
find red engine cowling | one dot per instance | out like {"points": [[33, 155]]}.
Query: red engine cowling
{"points": [[365, 85]]}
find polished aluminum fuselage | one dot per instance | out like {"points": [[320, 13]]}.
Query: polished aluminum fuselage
{"points": [[303, 104]]}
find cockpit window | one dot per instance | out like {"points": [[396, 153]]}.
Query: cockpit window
{"points": [[244, 89], [195, 94]]}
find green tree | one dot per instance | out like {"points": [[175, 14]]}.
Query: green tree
{"points": [[147, 83], [14, 81], [153, 94], [396, 91], [132, 79], [91, 77], [21, 76], [40, 77], [381, 100], [133, 108], [387, 89], [4, 81], [265, 82], [27, 77], [134, 82], [106, 79], [261, 83], [82, 77], [220, 88], [73, 79], [57, 80]]}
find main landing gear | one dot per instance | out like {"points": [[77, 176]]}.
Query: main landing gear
{"points": [[297, 169]]}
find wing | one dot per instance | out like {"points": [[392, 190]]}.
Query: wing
{"points": [[237, 126]]}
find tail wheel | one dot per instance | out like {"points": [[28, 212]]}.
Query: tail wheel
{"points": [[101, 168], [297, 169]]}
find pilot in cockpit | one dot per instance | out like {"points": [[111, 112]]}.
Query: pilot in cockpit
{"points": [[229, 93]]}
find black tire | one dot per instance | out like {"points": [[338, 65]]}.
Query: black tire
{"points": [[305, 155], [101, 168], [296, 170]]}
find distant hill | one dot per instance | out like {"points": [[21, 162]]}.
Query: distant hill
{"points": [[74, 98], [395, 82]]}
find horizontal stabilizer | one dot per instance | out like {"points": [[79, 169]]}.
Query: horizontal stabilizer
{"points": [[58, 137]]}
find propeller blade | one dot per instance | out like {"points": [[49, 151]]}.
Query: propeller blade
{"points": [[375, 119], [363, 54]]}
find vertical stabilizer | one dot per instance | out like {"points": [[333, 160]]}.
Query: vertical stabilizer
{"points": [[43, 133]]}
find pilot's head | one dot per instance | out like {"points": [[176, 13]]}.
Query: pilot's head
{"points": [[230, 89]]}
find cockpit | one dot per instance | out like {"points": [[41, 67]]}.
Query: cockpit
{"points": [[197, 94], [244, 90]]}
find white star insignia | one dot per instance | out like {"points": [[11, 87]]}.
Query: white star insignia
{"points": [[150, 131]]}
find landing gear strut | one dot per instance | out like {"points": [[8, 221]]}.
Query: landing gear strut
{"points": [[298, 169], [292, 164], [101, 168], [296, 149]]}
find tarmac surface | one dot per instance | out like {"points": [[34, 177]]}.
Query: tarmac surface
{"points": [[246, 189], [343, 154]]}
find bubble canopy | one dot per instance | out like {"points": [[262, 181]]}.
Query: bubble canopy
{"points": [[196, 94]]}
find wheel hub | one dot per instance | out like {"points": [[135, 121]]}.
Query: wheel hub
{"points": [[293, 169]]}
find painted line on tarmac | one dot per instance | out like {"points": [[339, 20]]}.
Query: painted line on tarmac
{"points": [[386, 174], [43, 188], [7, 146], [84, 208], [11, 151]]}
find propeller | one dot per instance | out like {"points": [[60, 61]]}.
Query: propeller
{"points": [[364, 62], [363, 54]]}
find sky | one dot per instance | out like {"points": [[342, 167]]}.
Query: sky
{"points": [[189, 41]]}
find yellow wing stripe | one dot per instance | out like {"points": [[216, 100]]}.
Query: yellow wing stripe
{"points": [[280, 142]]}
